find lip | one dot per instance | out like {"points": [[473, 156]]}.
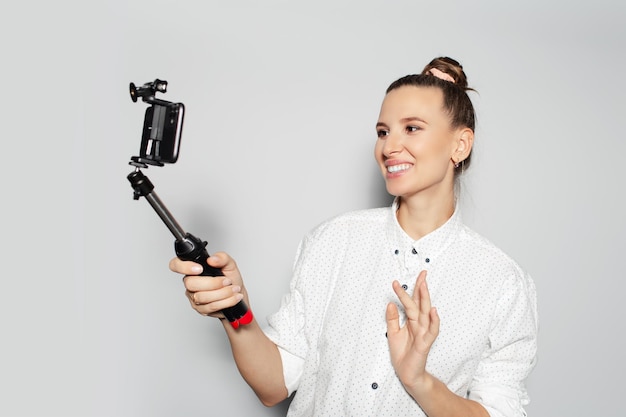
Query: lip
{"points": [[402, 166]]}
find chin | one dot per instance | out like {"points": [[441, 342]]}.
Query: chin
{"points": [[395, 191]]}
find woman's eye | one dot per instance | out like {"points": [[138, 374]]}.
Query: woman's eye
{"points": [[382, 133], [412, 128]]}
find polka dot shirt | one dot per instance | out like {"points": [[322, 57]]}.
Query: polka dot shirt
{"points": [[331, 327]]}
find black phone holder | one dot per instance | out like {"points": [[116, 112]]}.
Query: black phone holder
{"points": [[160, 144], [162, 126]]}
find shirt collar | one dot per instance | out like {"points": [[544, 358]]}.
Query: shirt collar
{"points": [[427, 249]]}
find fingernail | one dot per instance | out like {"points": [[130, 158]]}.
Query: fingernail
{"points": [[196, 269], [226, 282], [240, 296], [236, 288]]}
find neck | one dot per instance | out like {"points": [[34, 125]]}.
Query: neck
{"points": [[418, 217]]}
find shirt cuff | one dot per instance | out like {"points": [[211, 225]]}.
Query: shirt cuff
{"points": [[292, 370], [499, 401]]}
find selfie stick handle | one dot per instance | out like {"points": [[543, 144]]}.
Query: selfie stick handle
{"points": [[187, 246]]}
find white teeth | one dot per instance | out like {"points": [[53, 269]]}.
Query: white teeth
{"points": [[397, 168]]}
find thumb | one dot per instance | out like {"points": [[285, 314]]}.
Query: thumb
{"points": [[223, 261], [393, 318]]}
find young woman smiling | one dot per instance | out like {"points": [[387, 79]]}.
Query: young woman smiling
{"points": [[359, 334]]}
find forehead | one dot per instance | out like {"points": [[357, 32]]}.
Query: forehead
{"points": [[413, 101]]}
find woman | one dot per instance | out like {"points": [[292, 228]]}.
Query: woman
{"points": [[339, 339]]}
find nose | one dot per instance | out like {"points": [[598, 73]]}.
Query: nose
{"points": [[392, 145]]}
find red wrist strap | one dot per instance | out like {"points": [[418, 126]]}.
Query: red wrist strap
{"points": [[243, 320]]}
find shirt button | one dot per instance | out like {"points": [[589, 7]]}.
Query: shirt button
{"points": [[405, 287], [374, 385], [396, 251], [427, 260], [414, 251]]}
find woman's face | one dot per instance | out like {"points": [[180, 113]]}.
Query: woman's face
{"points": [[416, 143]]}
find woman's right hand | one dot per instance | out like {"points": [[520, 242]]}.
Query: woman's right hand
{"points": [[258, 358], [209, 295]]}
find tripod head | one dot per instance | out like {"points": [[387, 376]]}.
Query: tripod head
{"points": [[162, 126], [148, 90]]}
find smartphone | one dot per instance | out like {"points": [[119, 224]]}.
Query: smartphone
{"points": [[162, 131]]}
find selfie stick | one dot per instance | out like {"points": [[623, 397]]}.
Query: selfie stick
{"points": [[187, 246]]}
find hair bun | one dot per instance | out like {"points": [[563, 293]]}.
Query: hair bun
{"points": [[450, 67]]}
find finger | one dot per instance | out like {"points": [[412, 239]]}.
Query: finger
{"points": [[411, 304], [202, 283], [217, 306], [223, 261], [185, 267], [201, 309], [191, 296], [424, 297], [208, 297], [421, 277], [424, 304], [393, 318], [434, 323], [404, 298]]}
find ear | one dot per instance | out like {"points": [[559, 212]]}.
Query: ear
{"points": [[464, 143]]}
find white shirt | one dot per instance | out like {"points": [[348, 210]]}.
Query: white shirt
{"points": [[331, 327]]}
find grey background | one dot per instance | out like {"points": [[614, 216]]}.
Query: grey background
{"points": [[282, 98]]}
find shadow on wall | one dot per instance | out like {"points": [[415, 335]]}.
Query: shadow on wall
{"points": [[378, 195], [281, 409]]}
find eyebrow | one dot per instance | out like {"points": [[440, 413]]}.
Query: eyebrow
{"points": [[413, 119], [404, 120]]}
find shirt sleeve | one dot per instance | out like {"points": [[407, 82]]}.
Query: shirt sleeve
{"points": [[499, 381], [286, 328]]}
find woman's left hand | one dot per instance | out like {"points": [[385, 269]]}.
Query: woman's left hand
{"points": [[410, 344]]}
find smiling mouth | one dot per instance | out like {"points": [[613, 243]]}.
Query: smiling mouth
{"points": [[397, 168]]}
